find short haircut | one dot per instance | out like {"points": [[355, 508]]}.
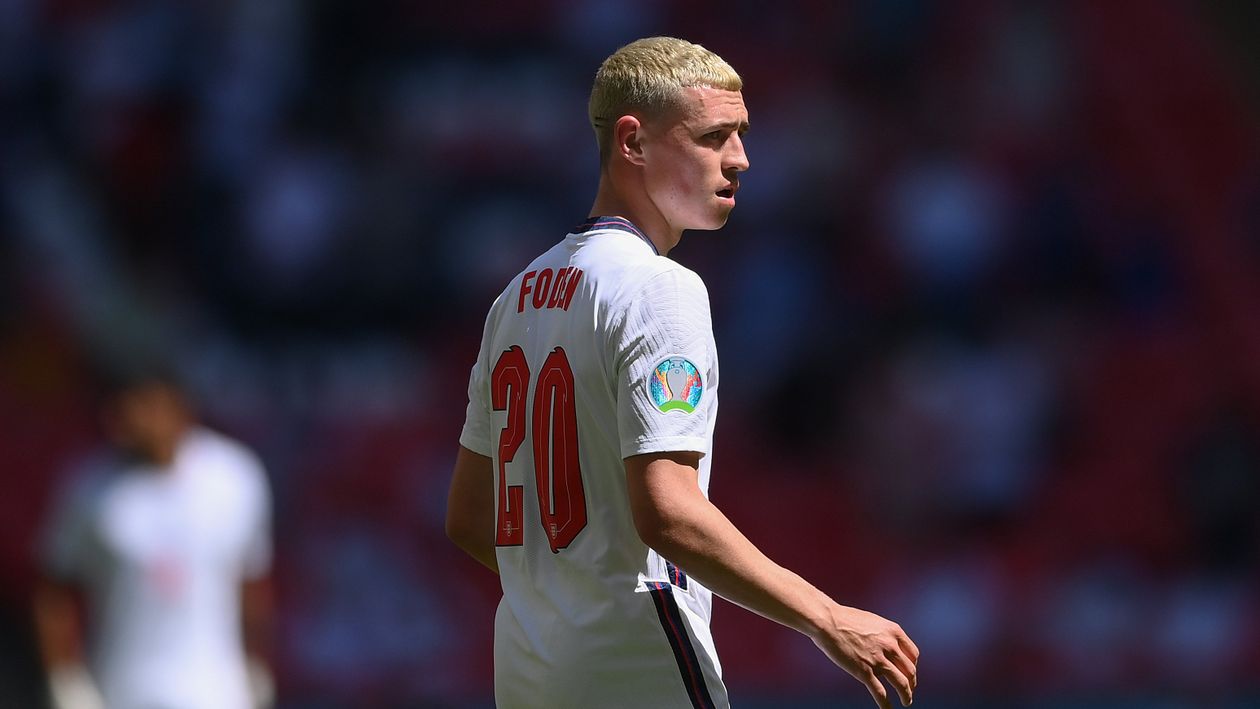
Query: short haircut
{"points": [[119, 376], [646, 77]]}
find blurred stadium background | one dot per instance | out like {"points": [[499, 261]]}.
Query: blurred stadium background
{"points": [[989, 314]]}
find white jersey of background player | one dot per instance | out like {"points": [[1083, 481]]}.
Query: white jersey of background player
{"points": [[583, 471], [162, 543]]}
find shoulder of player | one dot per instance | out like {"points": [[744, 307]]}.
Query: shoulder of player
{"points": [[87, 479], [209, 445], [661, 294], [662, 277]]}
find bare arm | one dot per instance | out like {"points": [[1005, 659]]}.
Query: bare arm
{"points": [[57, 624], [257, 612], [256, 617], [470, 507], [673, 517], [59, 631]]}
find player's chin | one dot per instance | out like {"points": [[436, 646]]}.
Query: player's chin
{"points": [[709, 225], [715, 219]]}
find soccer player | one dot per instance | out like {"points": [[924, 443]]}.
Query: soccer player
{"points": [[167, 536], [583, 470]]}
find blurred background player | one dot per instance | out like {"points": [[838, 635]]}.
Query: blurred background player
{"points": [[166, 536], [583, 472]]}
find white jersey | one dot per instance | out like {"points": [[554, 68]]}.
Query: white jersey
{"points": [[161, 555], [599, 350]]}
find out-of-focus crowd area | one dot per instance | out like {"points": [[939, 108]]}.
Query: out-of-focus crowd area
{"points": [[988, 313]]}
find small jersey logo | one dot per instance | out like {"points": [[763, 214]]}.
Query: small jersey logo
{"points": [[676, 385]]}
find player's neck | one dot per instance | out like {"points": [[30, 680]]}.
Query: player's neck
{"points": [[160, 451], [611, 202]]}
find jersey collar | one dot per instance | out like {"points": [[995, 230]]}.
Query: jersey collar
{"points": [[617, 224]]}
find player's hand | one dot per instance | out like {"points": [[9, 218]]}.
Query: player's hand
{"points": [[71, 687], [871, 648]]}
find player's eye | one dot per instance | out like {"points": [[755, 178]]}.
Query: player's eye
{"points": [[716, 135]]}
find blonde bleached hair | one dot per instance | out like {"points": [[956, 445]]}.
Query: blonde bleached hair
{"points": [[646, 77]]}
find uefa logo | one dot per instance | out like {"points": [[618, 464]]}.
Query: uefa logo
{"points": [[676, 385]]}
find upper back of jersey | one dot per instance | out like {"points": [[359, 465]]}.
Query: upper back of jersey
{"points": [[599, 350]]}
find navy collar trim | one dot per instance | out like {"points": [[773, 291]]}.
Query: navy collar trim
{"points": [[616, 223]]}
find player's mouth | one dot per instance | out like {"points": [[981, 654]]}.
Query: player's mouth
{"points": [[728, 192]]}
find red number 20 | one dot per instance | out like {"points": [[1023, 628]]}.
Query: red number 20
{"points": [[557, 472]]}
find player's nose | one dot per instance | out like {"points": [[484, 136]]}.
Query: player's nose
{"points": [[736, 158]]}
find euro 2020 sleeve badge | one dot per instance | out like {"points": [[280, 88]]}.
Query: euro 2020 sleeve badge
{"points": [[676, 385]]}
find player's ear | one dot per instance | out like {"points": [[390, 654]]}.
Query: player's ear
{"points": [[628, 139]]}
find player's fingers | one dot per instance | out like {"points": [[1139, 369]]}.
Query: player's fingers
{"points": [[908, 646], [904, 664], [876, 688], [898, 680]]}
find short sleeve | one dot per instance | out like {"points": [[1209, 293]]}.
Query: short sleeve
{"points": [[666, 367], [67, 535], [475, 435], [256, 562]]}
